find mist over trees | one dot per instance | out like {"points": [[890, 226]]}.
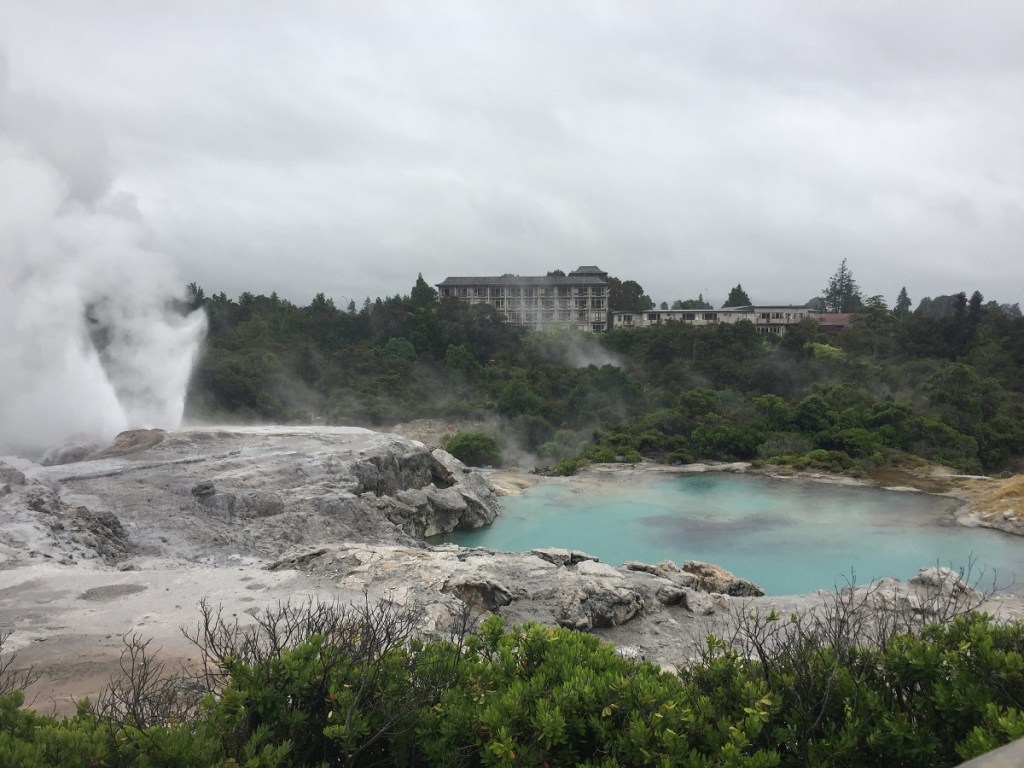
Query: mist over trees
{"points": [[943, 382]]}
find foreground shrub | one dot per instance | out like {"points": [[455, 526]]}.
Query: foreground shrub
{"points": [[860, 680]]}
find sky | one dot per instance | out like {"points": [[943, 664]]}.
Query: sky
{"points": [[345, 147]]}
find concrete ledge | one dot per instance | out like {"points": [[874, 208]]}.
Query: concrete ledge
{"points": [[1009, 756]]}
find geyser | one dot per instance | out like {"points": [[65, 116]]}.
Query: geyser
{"points": [[92, 338]]}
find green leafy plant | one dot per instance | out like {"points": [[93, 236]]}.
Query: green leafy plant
{"points": [[477, 449]]}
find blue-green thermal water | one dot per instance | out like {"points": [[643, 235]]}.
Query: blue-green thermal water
{"points": [[788, 536]]}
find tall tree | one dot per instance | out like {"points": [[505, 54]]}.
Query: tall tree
{"points": [[842, 293], [422, 294], [903, 304], [737, 298]]}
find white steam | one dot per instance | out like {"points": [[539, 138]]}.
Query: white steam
{"points": [[91, 341]]}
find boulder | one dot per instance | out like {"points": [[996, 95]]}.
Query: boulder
{"points": [[478, 591], [714, 578], [596, 603], [942, 579]]}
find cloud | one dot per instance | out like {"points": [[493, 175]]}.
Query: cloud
{"points": [[344, 148], [92, 343]]}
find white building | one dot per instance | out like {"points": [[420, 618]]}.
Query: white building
{"points": [[767, 319], [578, 300]]}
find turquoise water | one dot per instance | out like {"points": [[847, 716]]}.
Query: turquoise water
{"points": [[789, 536]]}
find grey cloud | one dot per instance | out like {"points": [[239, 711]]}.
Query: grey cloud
{"points": [[346, 147]]}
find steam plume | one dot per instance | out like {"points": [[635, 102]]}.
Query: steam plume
{"points": [[91, 340]]}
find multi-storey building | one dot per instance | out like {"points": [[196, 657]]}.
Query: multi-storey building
{"points": [[578, 300], [767, 319]]}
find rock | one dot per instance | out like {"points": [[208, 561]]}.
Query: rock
{"points": [[714, 578], [10, 475], [204, 494], [597, 569], [67, 454], [130, 441], [482, 593], [562, 557], [705, 603], [203, 490], [671, 595], [942, 579], [262, 504], [593, 603], [665, 569]]}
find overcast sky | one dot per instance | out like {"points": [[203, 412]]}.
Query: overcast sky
{"points": [[345, 146]]}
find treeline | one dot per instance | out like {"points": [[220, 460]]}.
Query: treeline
{"points": [[945, 386], [322, 685]]}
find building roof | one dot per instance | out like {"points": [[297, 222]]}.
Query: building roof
{"points": [[588, 271], [540, 280]]}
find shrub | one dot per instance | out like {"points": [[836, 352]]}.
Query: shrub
{"points": [[569, 466], [477, 449], [859, 680]]}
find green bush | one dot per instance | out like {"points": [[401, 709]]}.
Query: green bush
{"points": [[569, 466], [477, 449], [322, 685], [830, 461]]}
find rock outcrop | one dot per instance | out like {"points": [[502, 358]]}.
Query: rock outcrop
{"points": [[211, 494], [553, 586]]}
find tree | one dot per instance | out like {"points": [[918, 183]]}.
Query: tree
{"points": [[874, 324], [556, 273], [842, 293], [321, 304], [737, 298], [194, 295], [902, 308], [422, 294], [398, 348], [627, 296], [664, 305], [697, 303]]}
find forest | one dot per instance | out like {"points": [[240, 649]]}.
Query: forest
{"points": [[942, 383]]}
